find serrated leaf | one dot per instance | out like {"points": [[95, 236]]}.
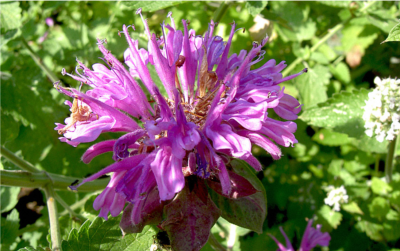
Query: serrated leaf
{"points": [[8, 197], [379, 207], [342, 72], [9, 229], [106, 235], [380, 187], [373, 230], [312, 85], [394, 34], [151, 5], [330, 138], [248, 212], [342, 113], [10, 16], [331, 217], [255, 7], [353, 208], [357, 35]]}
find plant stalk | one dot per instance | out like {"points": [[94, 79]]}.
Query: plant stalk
{"points": [[75, 216], [39, 61], [220, 12], [389, 159], [53, 218], [35, 180], [23, 164]]}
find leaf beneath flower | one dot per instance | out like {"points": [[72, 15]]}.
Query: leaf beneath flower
{"points": [[189, 218], [240, 186], [250, 211]]}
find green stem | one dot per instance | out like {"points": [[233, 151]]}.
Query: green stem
{"points": [[72, 213], [53, 218], [23, 164], [215, 244], [39, 62], [331, 32], [377, 159], [220, 12], [60, 182], [77, 205], [389, 159]]}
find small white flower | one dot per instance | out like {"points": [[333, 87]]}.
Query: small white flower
{"points": [[382, 110], [336, 196]]}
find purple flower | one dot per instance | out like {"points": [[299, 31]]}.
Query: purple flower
{"points": [[215, 109], [311, 238]]}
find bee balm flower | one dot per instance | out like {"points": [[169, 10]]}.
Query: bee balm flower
{"points": [[215, 109], [311, 238]]}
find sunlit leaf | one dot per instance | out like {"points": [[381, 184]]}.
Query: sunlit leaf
{"points": [[394, 34], [10, 16], [106, 235], [255, 7]]}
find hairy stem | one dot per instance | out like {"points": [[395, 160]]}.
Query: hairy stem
{"points": [[330, 33], [23, 164], [75, 216], [59, 182], [389, 159], [77, 205], [53, 218], [39, 61]]}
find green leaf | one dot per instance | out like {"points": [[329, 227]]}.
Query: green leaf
{"points": [[150, 6], [394, 34], [8, 197], [380, 187], [9, 229], [342, 72], [10, 16], [300, 26], [106, 235], [357, 35], [338, 4], [343, 113], [352, 208], [255, 7], [330, 138], [379, 207], [331, 217], [248, 212], [373, 230], [312, 85]]}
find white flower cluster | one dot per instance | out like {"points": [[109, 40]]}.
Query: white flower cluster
{"points": [[382, 110], [336, 196]]}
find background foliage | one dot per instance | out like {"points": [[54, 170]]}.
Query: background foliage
{"points": [[333, 148]]}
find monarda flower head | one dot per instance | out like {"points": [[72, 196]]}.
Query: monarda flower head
{"points": [[311, 238], [216, 106]]}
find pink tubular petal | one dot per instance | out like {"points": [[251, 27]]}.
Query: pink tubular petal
{"points": [[117, 166], [263, 142], [97, 149], [167, 170], [313, 237]]}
